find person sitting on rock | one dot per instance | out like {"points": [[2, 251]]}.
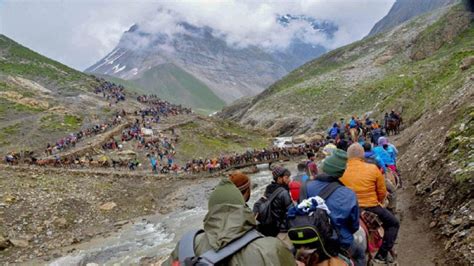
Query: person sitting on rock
{"points": [[227, 220]]}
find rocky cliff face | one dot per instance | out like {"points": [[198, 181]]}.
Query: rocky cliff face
{"points": [[230, 72], [403, 10]]}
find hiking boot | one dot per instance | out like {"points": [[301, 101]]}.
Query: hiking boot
{"points": [[387, 260]]}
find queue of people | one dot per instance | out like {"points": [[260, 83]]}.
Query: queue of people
{"points": [[348, 185], [72, 139]]}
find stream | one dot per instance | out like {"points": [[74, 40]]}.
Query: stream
{"points": [[155, 235]]}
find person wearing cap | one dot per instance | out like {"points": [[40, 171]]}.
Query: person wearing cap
{"points": [[342, 202], [281, 203], [368, 183], [228, 219], [242, 182]]}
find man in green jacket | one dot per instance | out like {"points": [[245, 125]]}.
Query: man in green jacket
{"points": [[228, 219]]}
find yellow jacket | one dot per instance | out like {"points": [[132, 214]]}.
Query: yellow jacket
{"points": [[366, 181]]}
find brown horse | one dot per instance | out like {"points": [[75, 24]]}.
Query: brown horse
{"points": [[393, 125]]}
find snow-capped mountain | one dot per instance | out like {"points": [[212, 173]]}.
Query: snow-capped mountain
{"points": [[230, 72]]}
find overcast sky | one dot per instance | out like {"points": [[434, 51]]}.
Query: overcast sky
{"points": [[78, 33]]}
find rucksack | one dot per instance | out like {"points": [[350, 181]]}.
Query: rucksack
{"points": [[263, 208], [334, 132], [314, 230], [187, 256]]}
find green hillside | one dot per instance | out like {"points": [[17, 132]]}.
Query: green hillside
{"points": [[42, 100], [411, 69], [178, 86], [131, 85]]}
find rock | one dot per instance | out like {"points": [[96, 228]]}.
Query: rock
{"points": [[108, 206], [4, 243], [383, 60], [455, 221], [10, 199], [61, 223], [120, 223], [432, 224], [467, 63], [19, 243]]}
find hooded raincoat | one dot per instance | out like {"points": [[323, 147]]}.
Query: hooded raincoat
{"points": [[226, 222]]}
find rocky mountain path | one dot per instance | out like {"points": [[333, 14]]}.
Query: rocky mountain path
{"points": [[416, 244]]}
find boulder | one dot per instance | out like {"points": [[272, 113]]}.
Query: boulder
{"points": [[21, 243], [4, 243], [61, 222], [108, 206], [467, 63]]}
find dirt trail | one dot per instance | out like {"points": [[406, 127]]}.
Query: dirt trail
{"points": [[416, 243]]}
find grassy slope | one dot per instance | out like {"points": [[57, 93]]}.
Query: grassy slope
{"points": [[412, 86], [209, 137], [129, 84], [176, 85], [31, 117]]}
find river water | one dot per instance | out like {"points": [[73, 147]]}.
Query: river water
{"points": [[156, 235]]}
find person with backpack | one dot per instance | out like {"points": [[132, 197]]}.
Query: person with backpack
{"points": [[311, 166], [271, 209], [368, 183], [341, 202], [229, 236], [296, 182]]}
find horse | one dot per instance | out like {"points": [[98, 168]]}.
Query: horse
{"points": [[393, 125], [354, 132]]}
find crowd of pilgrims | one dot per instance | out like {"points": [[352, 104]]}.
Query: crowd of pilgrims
{"points": [[160, 107], [72, 139], [112, 92]]}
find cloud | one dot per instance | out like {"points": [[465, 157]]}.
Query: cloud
{"points": [[80, 32]]}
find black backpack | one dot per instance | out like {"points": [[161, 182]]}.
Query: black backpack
{"points": [[263, 208], [187, 256], [315, 230]]}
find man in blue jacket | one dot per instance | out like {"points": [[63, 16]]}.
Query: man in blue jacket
{"points": [[342, 203]]}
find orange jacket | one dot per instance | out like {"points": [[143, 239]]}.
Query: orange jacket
{"points": [[366, 181]]}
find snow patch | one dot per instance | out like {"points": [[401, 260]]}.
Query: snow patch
{"points": [[134, 71], [109, 60], [117, 68]]}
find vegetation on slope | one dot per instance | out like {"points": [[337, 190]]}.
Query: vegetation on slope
{"points": [[176, 85], [211, 138], [373, 76], [42, 100]]}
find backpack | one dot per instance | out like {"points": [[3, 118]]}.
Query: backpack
{"points": [[334, 132], [263, 208], [187, 256], [315, 230]]}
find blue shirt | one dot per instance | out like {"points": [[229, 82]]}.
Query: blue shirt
{"points": [[343, 206]]}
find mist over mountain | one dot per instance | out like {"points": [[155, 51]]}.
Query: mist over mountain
{"points": [[229, 70]]}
